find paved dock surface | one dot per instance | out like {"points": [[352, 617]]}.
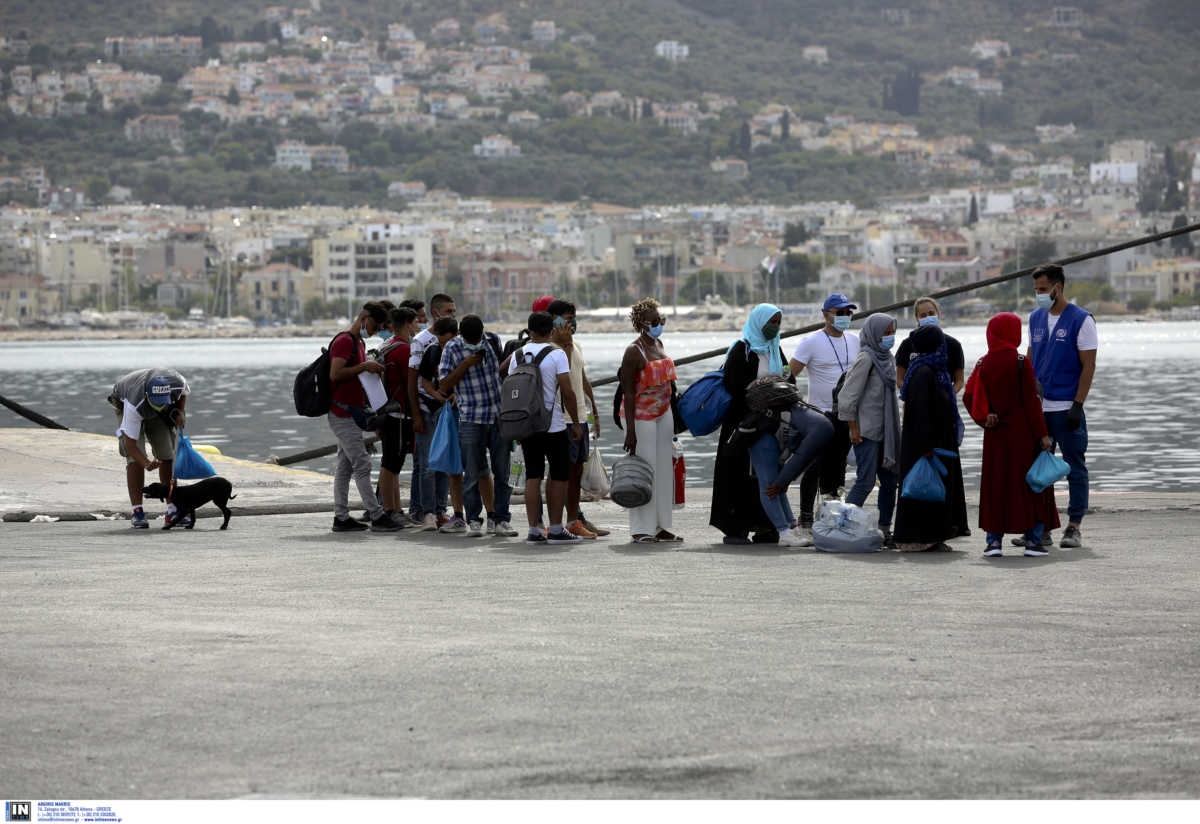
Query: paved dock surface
{"points": [[277, 659]]}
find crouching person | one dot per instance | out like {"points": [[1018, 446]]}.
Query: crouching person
{"points": [[150, 406]]}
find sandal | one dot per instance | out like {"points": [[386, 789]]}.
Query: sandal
{"points": [[645, 539], [667, 538]]}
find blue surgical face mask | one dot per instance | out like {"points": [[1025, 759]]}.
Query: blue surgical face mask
{"points": [[656, 331], [472, 347], [841, 322], [422, 327], [560, 322], [1044, 300], [384, 334], [887, 341], [931, 320]]}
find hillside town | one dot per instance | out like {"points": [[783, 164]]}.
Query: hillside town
{"points": [[71, 255]]}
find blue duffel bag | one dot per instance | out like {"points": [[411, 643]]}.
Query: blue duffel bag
{"points": [[704, 404]]}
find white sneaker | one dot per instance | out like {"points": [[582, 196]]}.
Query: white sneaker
{"points": [[455, 526], [504, 530], [475, 529], [429, 524], [793, 537]]}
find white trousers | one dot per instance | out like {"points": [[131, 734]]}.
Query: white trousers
{"points": [[654, 444]]}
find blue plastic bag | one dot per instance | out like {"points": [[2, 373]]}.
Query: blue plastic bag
{"points": [[704, 404], [445, 452], [924, 481], [189, 463], [1047, 468]]}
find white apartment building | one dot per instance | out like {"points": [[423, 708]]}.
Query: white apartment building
{"points": [[371, 262], [497, 145], [671, 50], [292, 154]]}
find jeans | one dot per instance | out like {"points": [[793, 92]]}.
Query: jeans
{"points": [[1033, 536], [434, 486], [764, 457], [869, 457], [809, 433], [1074, 447], [827, 474], [352, 462], [480, 441]]}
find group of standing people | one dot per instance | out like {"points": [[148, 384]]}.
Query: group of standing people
{"points": [[431, 365], [895, 410], [892, 410]]}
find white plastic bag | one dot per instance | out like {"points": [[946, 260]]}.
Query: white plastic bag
{"points": [[595, 475]]}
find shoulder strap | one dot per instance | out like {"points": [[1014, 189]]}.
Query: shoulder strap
{"points": [[541, 356]]}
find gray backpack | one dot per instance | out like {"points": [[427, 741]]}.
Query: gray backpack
{"points": [[523, 409]]}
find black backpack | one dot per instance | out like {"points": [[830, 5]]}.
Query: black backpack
{"points": [[312, 390]]}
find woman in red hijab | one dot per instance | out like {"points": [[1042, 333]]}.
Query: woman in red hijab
{"points": [[1001, 396]]}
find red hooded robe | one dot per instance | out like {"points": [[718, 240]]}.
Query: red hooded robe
{"points": [[1002, 384]]}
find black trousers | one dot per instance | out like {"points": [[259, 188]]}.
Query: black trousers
{"points": [[829, 473]]}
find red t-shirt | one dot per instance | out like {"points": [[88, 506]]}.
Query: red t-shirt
{"points": [[395, 376], [349, 391]]}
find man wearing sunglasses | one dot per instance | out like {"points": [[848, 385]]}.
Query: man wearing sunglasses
{"points": [[827, 355]]}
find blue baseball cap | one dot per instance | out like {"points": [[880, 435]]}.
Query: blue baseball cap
{"points": [[160, 393], [837, 301]]}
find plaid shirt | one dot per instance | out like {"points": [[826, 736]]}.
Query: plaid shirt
{"points": [[478, 393]]}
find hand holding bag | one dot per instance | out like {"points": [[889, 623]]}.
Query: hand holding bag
{"points": [[1046, 470], [445, 452], [189, 463]]}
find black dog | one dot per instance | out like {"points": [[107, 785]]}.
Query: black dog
{"points": [[186, 498]]}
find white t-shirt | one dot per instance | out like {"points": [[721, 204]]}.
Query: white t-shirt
{"points": [[1087, 340], [131, 422], [578, 364], [554, 365], [416, 350], [825, 358]]}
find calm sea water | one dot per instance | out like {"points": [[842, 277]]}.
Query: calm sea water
{"points": [[1139, 411]]}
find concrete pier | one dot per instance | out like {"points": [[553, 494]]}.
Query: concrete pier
{"points": [[277, 659]]}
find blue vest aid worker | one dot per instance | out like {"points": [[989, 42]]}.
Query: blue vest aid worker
{"points": [[1062, 347]]}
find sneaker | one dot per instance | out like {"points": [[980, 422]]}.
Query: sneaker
{"points": [[504, 530], [442, 520], [888, 541], [384, 523], [138, 520], [1072, 538], [1035, 549], [475, 529], [348, 524], [455, 526], [994, 550], [591, 527], [578, 529], [429, 524], [1047, 540], [563, 537], [535, 537], [401, 520], [187, 521], [792, 537]]}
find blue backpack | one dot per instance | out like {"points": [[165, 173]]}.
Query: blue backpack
{"points": [[704, 404]]}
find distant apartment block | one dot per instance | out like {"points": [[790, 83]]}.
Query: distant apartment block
{"points": [[815, 54], [497, 146], [446, 30], [170, 46], [1126, 173], [671, 50], [990, 49], [1066, 17], [1054, 133], [733, 168], [406, 189], [543, 31], [166, 128], [400, 33], [292, 154], [897, 16], [372, 261]]}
